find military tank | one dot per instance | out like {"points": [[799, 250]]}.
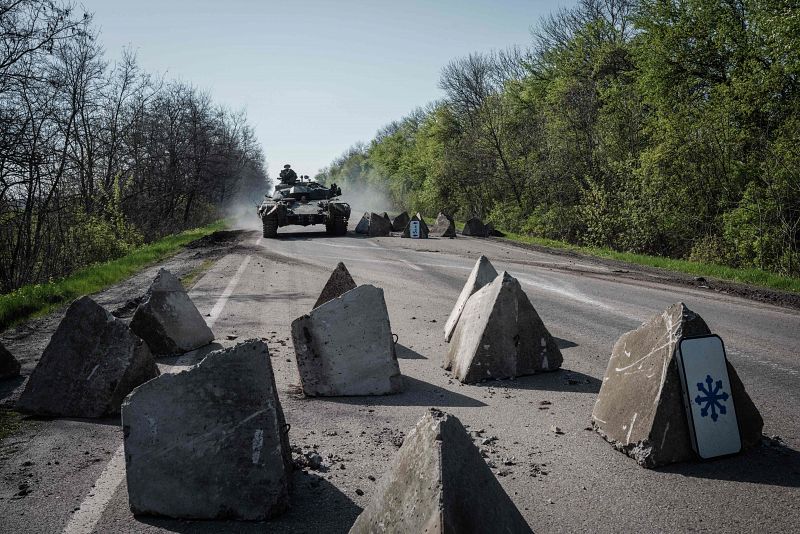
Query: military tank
{"points": [[304, 203]]}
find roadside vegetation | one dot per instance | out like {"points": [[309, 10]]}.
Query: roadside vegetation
{"points": [[39, 299], [98, 159], [635, 129]]}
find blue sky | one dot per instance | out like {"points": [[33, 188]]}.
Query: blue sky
{"points": [[314, 76]]}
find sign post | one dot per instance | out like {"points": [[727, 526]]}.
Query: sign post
{"points": [[708, 399], [413, 229]]}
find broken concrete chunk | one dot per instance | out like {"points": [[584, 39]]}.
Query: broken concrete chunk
{"points": [[209, 442], [475, 227], [443, 227], [345, 346], [168, 320], [400, 222], [482, 273], [363, 225], [9, 366], [339, 283], [500, 335], [379, 226], [92, 361], [439, 483], [640, 405], [423, 228]]}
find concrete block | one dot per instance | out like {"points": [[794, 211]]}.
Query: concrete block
{"points": [[9, 366], [400, 222], [339, 283], [443, 227], [475, 227], [345, 346], [482, 273], [500, 335], [423, 228], [209, 442], [363, 225], [438, 483], [379, 226], [640, 407], [168, 320], [92, 362]]}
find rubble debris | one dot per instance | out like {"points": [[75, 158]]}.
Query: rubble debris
{"points": [[210, 442], [500, 335], [482, 273], [443, 227], [9, 366], [92, 362], [363, 225], [168, 319], [438, 483], [475, 227], [423, 228], [339, 283], [640, 409], [400, 222], [345, 346], [379, 226]]}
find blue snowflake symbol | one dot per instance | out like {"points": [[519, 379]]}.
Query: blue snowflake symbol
{"points": [[712, 398]]}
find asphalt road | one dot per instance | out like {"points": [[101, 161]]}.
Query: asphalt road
{"points": [[571, 482]]}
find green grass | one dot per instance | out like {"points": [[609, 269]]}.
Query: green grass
{"points": [[39, 299], [708, 270], [9, 422]]}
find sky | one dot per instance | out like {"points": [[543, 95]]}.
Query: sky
{"points": [[314, 76]]}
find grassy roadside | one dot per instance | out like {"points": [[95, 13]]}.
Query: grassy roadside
{"points": [[39, 299], [755, 277]]}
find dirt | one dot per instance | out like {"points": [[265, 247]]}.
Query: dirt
{"points": [[645, 273]]}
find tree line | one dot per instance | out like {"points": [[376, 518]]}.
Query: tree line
{"points": [[667, 127], [99, 157]]}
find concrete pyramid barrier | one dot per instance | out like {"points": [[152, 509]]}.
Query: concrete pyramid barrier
{"points": [[443, 227], [9, 366], [168, 320], [339, 283], [423, 228], [475, 227], [345, 346], [363, 225], [92, 362], [379, 226], [482, 273], [210, 442], [500, 335], [438, 483], [400, 222], [640, 409], [388, 219]]}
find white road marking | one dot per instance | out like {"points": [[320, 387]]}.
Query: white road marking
{"points": [[415, 267], [85, 519]]}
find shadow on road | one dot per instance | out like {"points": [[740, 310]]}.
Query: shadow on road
{"points": [[560, 380], [415, 393], [333, 511], [405, 353], [772, 463], [564, 343]]}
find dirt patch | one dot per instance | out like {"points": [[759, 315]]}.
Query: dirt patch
{"points": [[632, 271], [220, 237]]}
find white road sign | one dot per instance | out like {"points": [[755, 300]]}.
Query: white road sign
{"points": [[413, 229], [708, 399]]}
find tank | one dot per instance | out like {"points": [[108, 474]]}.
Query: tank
{"points": [[304, 203]]}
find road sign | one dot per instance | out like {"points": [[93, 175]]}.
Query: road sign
{"points": [[413, 229], [713, 427]]}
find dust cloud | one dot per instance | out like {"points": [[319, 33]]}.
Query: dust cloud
{"points": [[366, 198]]}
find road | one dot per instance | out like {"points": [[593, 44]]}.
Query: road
{"points": [[575, 482]]}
